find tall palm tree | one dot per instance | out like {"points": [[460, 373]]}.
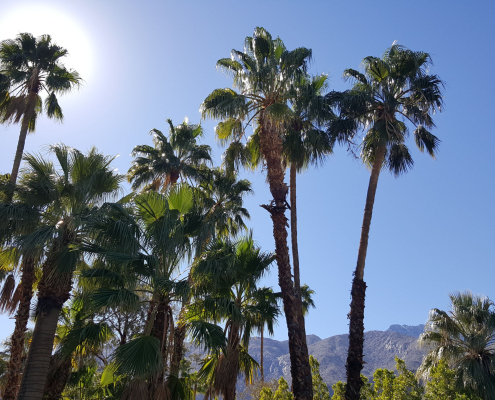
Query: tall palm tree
{"points": [[173, 157], [226, 289], [82, 183], [32, 66], [265, 73], [465, 338], [304, 143], [393, 90], [18, 217]]}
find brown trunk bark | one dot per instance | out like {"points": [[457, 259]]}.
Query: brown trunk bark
{"points": [[179, 337], [295, 246], [261, 357], [123, 338], [160, 328], [180, 334], [21, 319], [20, 149], [271, 148], [53, 292], [354, 363], [58, 377], [160, 325], [38, 361], [228, 370], [293, 228], [174, 177], [229, 393]]}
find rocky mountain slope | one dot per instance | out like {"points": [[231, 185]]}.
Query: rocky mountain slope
{"points": [[415, 330], [380, 348]]}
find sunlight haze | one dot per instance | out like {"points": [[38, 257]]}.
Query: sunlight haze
{"points": [[63, 27]]}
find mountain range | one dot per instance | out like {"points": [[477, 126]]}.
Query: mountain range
{"points": [[380, 349]]}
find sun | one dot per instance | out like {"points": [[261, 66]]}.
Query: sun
{"points": [[64, 30]]}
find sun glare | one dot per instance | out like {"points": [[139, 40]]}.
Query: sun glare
{"points": [[64, 30]]}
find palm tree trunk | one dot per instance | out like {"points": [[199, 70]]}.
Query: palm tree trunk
{"points": [[21, 320], [59, 376], [52, 294], [271, 148], [294, 244], [293, 227], [174, 177], [20, 149], [354, 363], [228, 369], [38, 361], [159, 330], [179, 337], [160, 327], [261, 357], [180, 334]]}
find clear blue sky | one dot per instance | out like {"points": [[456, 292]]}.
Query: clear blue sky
{"points": [[432, 230]]}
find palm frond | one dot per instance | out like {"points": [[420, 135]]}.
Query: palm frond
{"points": [[139, 358], [210, 336], [426, 140], [399, 159], [124, 298]]}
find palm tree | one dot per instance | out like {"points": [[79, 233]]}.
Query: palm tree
{"points": [[4, 88], [32, 66], [465, 338], [19, 299], [304, 143], [78, 342], [19, 215], [82, 183], [393, 89], [266, 299], [171, 158], [142, 248], [220, 196], [265, 73], [226, 289]]}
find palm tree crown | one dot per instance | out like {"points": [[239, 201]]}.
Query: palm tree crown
{"points": [[31, 66], [178, 156], [221, 196], [393, 89], [265, 74], [465, 338]]}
